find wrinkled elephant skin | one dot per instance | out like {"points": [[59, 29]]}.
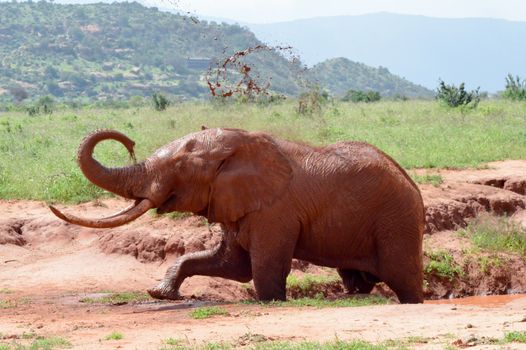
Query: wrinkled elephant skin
{"points": [[347, 206]]}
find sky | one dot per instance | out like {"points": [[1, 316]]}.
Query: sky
{"points": [[267, 11]]}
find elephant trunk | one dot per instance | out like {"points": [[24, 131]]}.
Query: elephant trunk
{"points": [[126, 182], [116, 180]]}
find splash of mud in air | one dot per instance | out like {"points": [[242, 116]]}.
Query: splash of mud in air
{"points": [[220, 84]]}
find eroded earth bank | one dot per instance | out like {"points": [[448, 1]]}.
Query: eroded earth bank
{"points": [[55, 278]]}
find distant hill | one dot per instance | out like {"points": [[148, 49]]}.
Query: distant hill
{"points": [[478, 51], [338, 75], [115, 51], [119, 50]]}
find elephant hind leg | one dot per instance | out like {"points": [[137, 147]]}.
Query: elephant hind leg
{"points": [[400, 267], [356, 281]]}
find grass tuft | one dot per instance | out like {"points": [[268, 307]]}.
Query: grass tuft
{"points": [[496, 234], [305, 284], [207, 312], [7, 304], [51, 343], [515, 337], [321, 302], [432, 179], [114, 336], [118, 298], [442, 264]]}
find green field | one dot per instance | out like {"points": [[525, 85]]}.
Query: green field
{"points": [[37, 154]]}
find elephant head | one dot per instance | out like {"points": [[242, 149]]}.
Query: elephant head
{"points": [[222, 174]]}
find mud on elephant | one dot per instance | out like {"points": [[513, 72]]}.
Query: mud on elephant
{"points": [[347, 206]]}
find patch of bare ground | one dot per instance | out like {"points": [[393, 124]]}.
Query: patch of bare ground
{"points": [[48, 266], [498, 189]]}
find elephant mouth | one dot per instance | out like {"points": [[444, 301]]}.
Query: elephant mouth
{"points": [[122, 217], [168, 205]]}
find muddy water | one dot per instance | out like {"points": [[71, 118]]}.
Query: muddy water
{"points": [[482, 301]]}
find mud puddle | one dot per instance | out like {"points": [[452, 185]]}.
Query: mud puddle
{"points": [[487, 301]]}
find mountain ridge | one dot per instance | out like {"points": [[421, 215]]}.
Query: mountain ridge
{"points": [[478, 51], [120, 50]]}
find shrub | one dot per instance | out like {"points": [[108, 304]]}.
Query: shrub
{"points": [[44, 105], [515, 88], [362, 96], [441, 263], [160, 102], [457, 96], [312, 101]]}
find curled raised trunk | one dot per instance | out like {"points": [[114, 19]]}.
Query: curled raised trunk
{"points": [[116, 180], [123, 181]]}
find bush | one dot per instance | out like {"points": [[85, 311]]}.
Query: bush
{"points": [[160, 102], [362, 96], [515, 88], [457, 96], [44, 105], [312, 101]]}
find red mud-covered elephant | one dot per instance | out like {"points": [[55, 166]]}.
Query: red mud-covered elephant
{"points": [[347, 206]]}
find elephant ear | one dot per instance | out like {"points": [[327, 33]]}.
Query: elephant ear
{"points": [[253, 175]]}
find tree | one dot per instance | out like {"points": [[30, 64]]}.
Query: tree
{"points": [[160, 102], [362, 96], [515, 88], [457, 96]]}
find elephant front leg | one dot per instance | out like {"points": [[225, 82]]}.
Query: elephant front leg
{"points": [[228, 260], [271, 257]]}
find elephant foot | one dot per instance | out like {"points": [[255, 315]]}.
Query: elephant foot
{"points": [[164, 292]]}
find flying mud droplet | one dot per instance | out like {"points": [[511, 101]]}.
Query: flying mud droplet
{"points": [[233, 75]]}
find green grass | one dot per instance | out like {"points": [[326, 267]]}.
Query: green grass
{"points": [[308, 282], [320, 302], [515, 337], [207, 312], [50, 343], [114, 336], [432, 179], [7, 304], [6, 291], [496, 235], [118, 298], [37, 154], [487, 262], [441, 263]]}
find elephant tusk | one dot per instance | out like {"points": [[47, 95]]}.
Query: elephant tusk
{"points": [[125, 210], [122, 217]]}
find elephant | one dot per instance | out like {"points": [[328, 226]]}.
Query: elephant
{"points": [[347, 206]]}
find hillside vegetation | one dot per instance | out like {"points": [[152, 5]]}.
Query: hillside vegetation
{"points": [[119, 50], [338, 75]]}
